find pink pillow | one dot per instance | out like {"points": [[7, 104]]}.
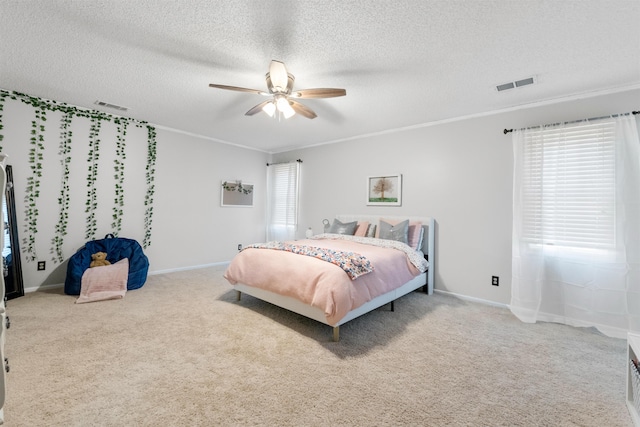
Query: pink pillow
{"points": [[413, 236], [105, 282], [361, 230], [415, 232]]}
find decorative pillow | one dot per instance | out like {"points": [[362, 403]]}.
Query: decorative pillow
{"points": [[414, 236], [420, 233], [397, 232], [362, 228], [105, 282], [343, 228], [371, 231], [388, 221]]}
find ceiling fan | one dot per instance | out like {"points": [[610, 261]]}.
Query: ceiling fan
{"points": [[281, 94]]}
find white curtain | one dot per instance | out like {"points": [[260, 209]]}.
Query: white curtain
{"points": [[282, 200], [576, 235]]}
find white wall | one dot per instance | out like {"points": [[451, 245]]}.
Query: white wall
{"points": [[460, 173], [190, 228]]}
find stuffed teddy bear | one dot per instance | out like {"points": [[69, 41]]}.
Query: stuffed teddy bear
{"points": [[99, 259]]}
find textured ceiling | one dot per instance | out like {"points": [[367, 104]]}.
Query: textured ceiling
{"points": [[403, 63]]}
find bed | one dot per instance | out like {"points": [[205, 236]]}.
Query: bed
{"points": [[310, 276]]}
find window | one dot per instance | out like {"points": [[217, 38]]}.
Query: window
{"points": [[576, 224], [568, 185], [282, 181]]}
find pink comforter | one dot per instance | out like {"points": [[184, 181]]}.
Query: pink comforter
{"points": [[320, 283]]}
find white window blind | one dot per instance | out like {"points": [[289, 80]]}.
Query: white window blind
{"points": [[569, 185], [283, 200]]}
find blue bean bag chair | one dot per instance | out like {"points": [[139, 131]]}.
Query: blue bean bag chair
{"points": [[116, 249]]}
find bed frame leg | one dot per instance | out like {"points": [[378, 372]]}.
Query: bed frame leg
{"points": [[238, 295], [393, 306], [336, 333]]}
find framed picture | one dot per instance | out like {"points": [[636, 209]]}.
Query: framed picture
{"points": [[236, 193], [384, 190]]}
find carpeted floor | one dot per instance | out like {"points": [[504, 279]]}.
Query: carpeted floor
{"points": [[181, 351]]}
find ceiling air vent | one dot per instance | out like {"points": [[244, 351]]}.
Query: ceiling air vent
{"points": [[515, 84], [505, 86], [524, 82], [108, 105]]}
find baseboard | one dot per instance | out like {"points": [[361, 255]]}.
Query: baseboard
{"points": [[193, 267], [151, 273], [43, 288], [473, 299], [550, 318]]}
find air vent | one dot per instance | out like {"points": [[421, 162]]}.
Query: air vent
{"points": [[505, 86], [515, 84], [113, 106], [524, 82]]}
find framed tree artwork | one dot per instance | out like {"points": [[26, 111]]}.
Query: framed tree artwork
{"points": [[384, 190]]}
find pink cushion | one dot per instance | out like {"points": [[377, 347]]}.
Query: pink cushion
{"points": [[361, 229], [105, 282], [415, 231]]}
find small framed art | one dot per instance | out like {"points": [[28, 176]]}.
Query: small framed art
{"points": [[384, 190], [236, 193]]}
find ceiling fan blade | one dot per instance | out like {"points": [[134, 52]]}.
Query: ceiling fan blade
{"points": [[257, 108], [278, 75], [239, 89], [290, 80], [319, 93], [303, 110], [286, 90]]}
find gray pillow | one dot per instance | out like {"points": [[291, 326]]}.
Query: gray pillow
{"points": [[398, 232], [343, 227], [371, 231]]}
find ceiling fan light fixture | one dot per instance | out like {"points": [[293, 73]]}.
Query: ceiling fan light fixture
{"points": [[288, 112], [269, 108], [284, 107]]}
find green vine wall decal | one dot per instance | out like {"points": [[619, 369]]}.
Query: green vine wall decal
{"points": [[150, 174], [118, 168], [92, 178], [33, 183], [237, 186], [63, 201], [37, 146]]}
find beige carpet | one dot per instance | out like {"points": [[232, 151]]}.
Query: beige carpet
{"points": [[182, 352]]}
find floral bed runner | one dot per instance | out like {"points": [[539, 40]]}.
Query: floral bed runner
{"points": [[354, 264]]}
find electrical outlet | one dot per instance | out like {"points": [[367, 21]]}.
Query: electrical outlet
{"points": [[239, 246], [495, 280], [42, 265]]}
